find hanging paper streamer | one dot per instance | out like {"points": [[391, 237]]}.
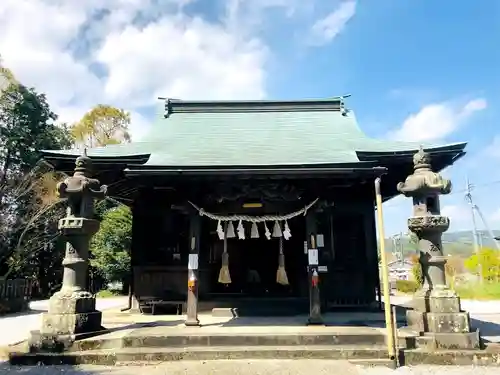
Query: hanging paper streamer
{"points": [[286, 232], [255, 231], [254, 219], [220, 231], [281, 276], [266, 231], [241, 231], [224, 275], [277, 229], [230, 230]]}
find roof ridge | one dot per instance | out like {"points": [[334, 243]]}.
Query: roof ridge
{"points": [[335, 104]]}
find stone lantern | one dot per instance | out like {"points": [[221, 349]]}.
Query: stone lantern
{"points": [[72, 310], [436, 314]]}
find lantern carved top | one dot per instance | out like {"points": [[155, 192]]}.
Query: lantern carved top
{"points": [[81, 190], [424, 181]]}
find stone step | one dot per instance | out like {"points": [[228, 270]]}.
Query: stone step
{"points": [[425, 342], [386, 362], [265, 306], [240, 340], [375, 355], [260, 311], [357, 355]]}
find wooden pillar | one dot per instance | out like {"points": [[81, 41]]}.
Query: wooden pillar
{"points": [[194, 250], [135, 250], [313, 263]]}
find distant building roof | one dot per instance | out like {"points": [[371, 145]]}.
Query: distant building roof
{"points": [[400, 263]]}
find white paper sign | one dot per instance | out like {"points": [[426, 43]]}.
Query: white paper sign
{"points": [[305, 247], [322, 268], [193, 262], [320, 240], [313, 257]]}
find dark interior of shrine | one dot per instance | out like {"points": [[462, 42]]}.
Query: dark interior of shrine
{"points": [[349, 273], [253, 264]]}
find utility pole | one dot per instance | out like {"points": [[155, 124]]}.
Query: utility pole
{"points": [[468, 198], [397, 244], [480, 236], [488, 229], [401, 246]]}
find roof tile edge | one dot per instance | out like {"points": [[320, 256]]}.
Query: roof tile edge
{"points": [[335, 104]]}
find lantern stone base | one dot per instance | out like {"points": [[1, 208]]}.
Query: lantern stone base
{"points": [[71, 315], [438, 318]]}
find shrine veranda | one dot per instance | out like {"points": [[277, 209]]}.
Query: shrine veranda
{"points": [[241, 204]]}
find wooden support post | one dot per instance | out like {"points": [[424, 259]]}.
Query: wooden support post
{"points": [[194, 247], [313, 260]]}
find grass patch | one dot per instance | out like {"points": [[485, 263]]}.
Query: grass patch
{"points": [[406, 286], [486, 291], [489, 291], [106, 293]]}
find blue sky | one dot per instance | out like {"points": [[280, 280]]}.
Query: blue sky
{"points": [[417, 70]]}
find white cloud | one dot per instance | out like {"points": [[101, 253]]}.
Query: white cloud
{"points": [[328, 27], [474, 106], [249, 15], [495, 216], [493, 149], [128, 52], [84, 53], [182, 58], [456, 213], [436, 121]]}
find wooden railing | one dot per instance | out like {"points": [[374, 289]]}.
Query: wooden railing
{"points": [[15, 294]]}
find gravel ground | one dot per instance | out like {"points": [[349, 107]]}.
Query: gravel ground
{"points": [[253, 367]]}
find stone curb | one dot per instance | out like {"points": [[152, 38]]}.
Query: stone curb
{"points": [[373, 356]]}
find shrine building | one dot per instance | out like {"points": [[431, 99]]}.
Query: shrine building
{"points": [[247, 198]]}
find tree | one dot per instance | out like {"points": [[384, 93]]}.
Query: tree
{"points": [[486, 264], [28, 206], [101, 126], [6, 77], [110, 247], [413, 240], [417, 270], [453, 267]]}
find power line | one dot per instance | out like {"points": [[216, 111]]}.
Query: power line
{"points": [[468, 198], [480, 186]]}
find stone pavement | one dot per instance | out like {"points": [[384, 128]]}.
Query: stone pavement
{"points": [[16, 327], [122, 323], [249, 367]]}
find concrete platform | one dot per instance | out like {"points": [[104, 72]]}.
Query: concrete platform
{"points": [[356, 337]]}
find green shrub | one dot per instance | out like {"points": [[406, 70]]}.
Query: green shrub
{"points": [[406, 286], [417, 274], [105, 293]]}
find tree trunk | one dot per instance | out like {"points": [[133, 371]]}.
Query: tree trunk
{"points": [[125, 285]]}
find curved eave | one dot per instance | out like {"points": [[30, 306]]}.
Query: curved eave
{"points": [[108, 170], [400, 163], [451, 152], [65, 160]]}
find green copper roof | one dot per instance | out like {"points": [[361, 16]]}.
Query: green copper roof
{"points": [[252, 133]]}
